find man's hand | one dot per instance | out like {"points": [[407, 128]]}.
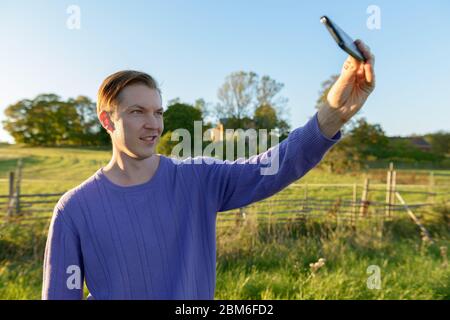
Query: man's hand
{"points": [[349, 92]]}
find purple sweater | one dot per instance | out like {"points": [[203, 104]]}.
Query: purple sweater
{"points": [[157, 240]]}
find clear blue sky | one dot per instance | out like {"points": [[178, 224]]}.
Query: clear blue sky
{"points": [[190, 46]]}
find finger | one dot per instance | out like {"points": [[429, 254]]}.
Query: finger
{"points": [[365, 50], [361, 70], [369, 74]]}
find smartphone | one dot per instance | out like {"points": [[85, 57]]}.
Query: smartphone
{"points": [[344, 41]]}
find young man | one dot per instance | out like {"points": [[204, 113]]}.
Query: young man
{"points": [[143, 226]]}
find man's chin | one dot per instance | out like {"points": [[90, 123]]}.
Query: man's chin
{"points": [[143, 153], [147, 154]]}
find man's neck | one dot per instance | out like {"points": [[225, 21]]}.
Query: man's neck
{"points": [[129, 172]]}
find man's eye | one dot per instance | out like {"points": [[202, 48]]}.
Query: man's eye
{"points": [[134, 111], [160, 113]]}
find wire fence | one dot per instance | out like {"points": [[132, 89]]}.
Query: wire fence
{"points": [[298, 203]]}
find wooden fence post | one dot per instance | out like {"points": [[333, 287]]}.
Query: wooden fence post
{"points": [[388, 194], [353, 220], [431, 184], [390, 186], [337, 208], [424, 231], [305, 199], [364, 202], [240, 216], [19, 178], [269, 224], [393, 190], [11, 195]]}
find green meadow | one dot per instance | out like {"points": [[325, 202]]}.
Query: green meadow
{"points": [[261, 260]]}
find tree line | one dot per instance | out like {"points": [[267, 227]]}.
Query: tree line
{"points": [[363, 142], [245, 101]]}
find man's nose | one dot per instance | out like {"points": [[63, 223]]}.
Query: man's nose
{"points": [[151, 122]]}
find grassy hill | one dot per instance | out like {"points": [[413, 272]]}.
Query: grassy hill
{"points": [[257, 261]]}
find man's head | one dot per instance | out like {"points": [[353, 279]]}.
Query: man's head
{"points": [[129, 107]]}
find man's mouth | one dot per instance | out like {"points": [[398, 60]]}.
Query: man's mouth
{"points": [[149, 138]]}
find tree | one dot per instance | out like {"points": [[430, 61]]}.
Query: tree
{"points": [[369, 140], [49, 121], [440, 142], [181, 116], [364, 142], [267, 95], [165, 144], [245, 94], [265, 117], [237, 94], [40, 121], [342, 157], [203, 106], [91, 128]]}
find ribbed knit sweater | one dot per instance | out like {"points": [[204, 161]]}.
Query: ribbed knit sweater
{"points": [[157, 240]]}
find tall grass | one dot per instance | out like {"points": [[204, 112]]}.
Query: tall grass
{"points": [[255, 265], [256, 260]]}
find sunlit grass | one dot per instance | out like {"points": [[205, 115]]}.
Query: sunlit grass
{"points": [[255, 261]]}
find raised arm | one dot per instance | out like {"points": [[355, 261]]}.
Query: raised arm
{"points": [[236, 184], [239, 183], [351, 90]]}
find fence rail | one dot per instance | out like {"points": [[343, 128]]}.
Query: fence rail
{"points": [[19, 207]]}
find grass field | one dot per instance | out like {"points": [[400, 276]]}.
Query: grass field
{"points": [[255, 261]]}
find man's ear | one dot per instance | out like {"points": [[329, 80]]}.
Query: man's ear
{"points": [[106, 121]]}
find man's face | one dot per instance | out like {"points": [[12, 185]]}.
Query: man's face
{"points": [[138, 121]]}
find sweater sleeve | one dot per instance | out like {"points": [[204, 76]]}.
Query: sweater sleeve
{"points": [[241, 182], [63, 274]]}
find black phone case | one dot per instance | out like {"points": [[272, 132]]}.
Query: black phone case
{"points": [[338, 35]]}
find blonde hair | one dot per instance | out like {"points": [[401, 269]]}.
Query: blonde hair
{"points": [[108, 93]]}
